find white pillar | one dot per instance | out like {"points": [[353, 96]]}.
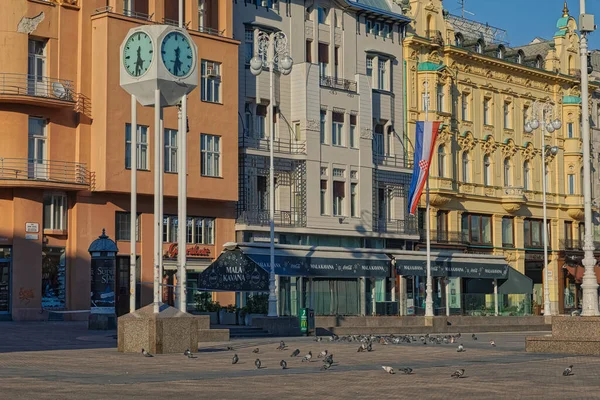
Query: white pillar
{"points": [[272, 290], [161, 186], [157, 216], [547, 307], [402, 296], [363, 300], [590, 284], [447, 289], [373, 294], [133, 206], [496, 297]]}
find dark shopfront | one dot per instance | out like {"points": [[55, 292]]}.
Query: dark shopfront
{"points": [[571, 270], [463, 285]]}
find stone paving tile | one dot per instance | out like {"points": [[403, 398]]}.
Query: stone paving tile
{"points": [[86, 365]]}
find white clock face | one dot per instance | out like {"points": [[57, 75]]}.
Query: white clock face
{"points": [[138, 54], [177, 54]]}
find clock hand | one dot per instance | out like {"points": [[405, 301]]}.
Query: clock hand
{"points": [[139, 63], [177, 62]]}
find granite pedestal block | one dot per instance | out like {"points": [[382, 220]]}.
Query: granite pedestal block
{"points": [[102, 322], [570, 335], [168, 331]]}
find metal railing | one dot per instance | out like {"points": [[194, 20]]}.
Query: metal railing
{"points": [[395, 226], [574, 244], [24, 169], [338, 83], [445, 237], [279, 145], [125, 12], [292, 217], [391, 161], [211, 31]]}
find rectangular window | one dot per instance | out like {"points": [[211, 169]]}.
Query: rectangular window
{"points": [[199, 230], [570, 130], [508, 239], [336, 62], [465, 107], [381, 76], [525, 112], [37, 81], [323, 197], [486, 111], [370, 67], [170, 150], [353, 138], [476, 229], [323, 15], [262, 193], [507, 124], [339, 172], [440, 98], [568, 235], [571, 183], [55, 212], [337, 129], [261, 121], [532, 232], [369, 26], [248, 44], [123, 226], [338, 198], [323, 126], [442, 226], [353, 200], [37, 136], [210, 155], [211, 81], [309, 51], [142, 147], [323, 59], [378, 144], [387, 31]]}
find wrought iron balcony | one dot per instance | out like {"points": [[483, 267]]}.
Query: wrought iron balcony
{"points": [[338, 83], [30, 88], [127, 13], [446, 237], [400, 226], [575, 244], [279, 145], [292, 217], [391, 161], [62, 172]]}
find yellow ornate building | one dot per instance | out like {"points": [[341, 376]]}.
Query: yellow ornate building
{"points": [[486, 174]]}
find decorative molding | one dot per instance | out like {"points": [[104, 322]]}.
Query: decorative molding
{"points": [[509, 149], [489, 146], [366, 133], [576, 213], [312, 125], [445, 136], [511, 207], [438, 200], [29, 25], [466, 142], [529, 152]]}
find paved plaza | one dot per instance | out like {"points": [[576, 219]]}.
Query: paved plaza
{"points": [[66, 361]]}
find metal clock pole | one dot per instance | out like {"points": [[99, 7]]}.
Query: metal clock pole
{"points": [[157, 216], [133, 207]]}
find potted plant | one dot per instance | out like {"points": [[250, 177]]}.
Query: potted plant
{"points": [[256, 306], [228, 315], [206, 306]]}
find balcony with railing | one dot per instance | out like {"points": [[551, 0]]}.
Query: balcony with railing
{"points": [[42, 90], [288, 218], [201, 29], [279, 145], [30, 172], [575, 244], [127, 13], [399, 226], [390, 160], [444, 237], [338, 83]]}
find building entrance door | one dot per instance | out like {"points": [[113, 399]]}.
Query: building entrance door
{"points": [[4, 286]]}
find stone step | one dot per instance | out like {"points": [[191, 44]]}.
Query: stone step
{"points": [[365, 330]]}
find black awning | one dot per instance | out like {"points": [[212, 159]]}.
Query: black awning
{"points": [[322, 263], [516, 283], [452, 266], [233, 271]]}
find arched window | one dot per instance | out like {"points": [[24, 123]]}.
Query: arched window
{"points": [[465, 167], [539, 62], [506, 172], [526, 176], [487, 171], [458, 40], [520, 57], [479, 47], [442, 161], [500, 52]]}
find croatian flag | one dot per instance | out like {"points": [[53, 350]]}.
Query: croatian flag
{"points": [[425, 140]]}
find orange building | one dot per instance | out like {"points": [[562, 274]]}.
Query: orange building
{"points": [[64, 153]]}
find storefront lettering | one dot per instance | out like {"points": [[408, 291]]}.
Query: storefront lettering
{"points": [[192, 251]]}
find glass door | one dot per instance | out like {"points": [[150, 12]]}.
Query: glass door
{"points": [[4, 286], [36, 69], [38, 169]]}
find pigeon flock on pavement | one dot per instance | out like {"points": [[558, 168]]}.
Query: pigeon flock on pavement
{"points": [[365, 345]]}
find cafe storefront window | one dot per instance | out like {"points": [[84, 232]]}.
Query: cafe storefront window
{"points": [[53, 278]]}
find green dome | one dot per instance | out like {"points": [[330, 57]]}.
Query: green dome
{"points": [[562, 22]]}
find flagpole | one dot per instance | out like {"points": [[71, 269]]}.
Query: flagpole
{"points": [[429, 285]]}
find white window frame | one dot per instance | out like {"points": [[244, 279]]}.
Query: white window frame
{"points": [[507, 173], [171, 151], [486, 110], [248, 44], [465, 107], [571, 183], [353, 138], [323, 198], [323, 126], [466, 176], [440, 97], [57, 218], [210, 88], [570, 130], [369, 66], [487, 169], [354, 199], [507, 115], [526, 175], [210, 155], [142, 147], [382, 76], [338, 202], [337, 136]]}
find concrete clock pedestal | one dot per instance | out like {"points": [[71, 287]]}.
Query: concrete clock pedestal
{"points": [[570, 335]]}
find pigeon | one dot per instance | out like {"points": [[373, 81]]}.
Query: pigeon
{"points": [[256, 350], [361, 348], [458, 373], [406, 370], [325, 366], [473, 337], [257, 363], [493, 343], [295, 353], [187, 352], [389, 370], [328, 359], [235, 359], [283, 364], [369, 347], [146, 354], [318, 339], [460, 349], [229, 348], [307, 357], [568, 371], [323, 354], [281, 345]]}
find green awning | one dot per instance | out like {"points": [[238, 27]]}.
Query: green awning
{"points": [[516, 283]]}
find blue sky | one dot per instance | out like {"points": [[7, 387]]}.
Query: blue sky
{"points": [[525, 19]]}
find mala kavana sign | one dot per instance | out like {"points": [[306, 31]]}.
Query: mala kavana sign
{"points": [[234, 271]]}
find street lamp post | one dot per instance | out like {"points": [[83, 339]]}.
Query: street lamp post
{"points": [[541, 115], [272, 52]]}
